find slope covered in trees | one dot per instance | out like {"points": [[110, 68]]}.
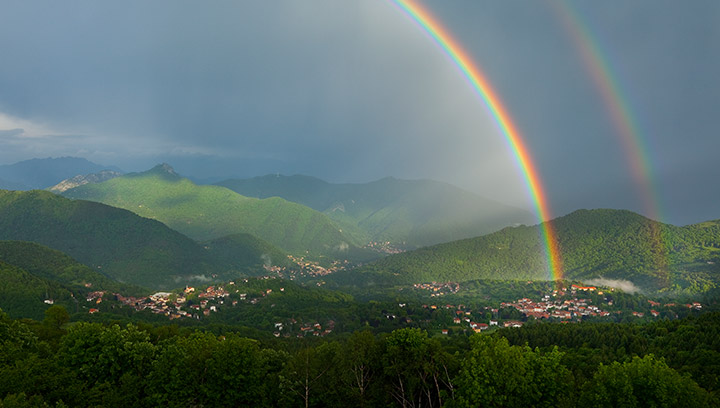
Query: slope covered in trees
{"points": [[613, 244], [50, 264], [210, 212], [410, 213], [35, 277], [112, 241], [24, 295]]}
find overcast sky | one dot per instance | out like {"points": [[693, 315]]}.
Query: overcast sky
{"points": [[353, 90]]}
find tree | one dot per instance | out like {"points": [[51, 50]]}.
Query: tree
{"points": [[307, 367], [112, 361], [495, 374], [56, 316], [361, 355], [646, 382], [405, 362]]}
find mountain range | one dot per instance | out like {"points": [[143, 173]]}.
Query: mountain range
{"points": [[204, 212], [214, 232], [406, 213]]}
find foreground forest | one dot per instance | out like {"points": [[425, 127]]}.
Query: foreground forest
{"points": [[662, 364]]}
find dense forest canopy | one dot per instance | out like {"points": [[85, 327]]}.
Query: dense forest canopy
{"points": [[56, 363]]}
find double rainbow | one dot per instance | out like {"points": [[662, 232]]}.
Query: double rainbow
{"points": [[501, 117]]}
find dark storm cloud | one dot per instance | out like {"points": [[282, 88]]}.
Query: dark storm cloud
{"points": [[353, 90]]}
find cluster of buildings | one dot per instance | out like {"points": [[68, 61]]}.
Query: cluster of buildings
{"points": [[561, 304], [438, 288], [165, 303], [558, 309], [308, 269], [177, 305], [384, 247]]}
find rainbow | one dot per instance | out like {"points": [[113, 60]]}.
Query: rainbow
{"points": [[625, 124], [618, 107], [501, 117]]}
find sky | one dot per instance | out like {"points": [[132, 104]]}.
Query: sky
{"points": [[354, 90]]}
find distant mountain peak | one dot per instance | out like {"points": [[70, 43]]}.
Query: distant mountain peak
{"points": [[166, 168], [163, 169]]}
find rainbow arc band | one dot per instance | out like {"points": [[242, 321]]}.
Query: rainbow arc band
{"points": [[492, 102], [628, 132], [608, 87]]}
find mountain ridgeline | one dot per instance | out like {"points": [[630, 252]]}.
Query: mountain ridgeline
{"points": [[210, 212], [409, 213], [612, 244], [122, 245]]}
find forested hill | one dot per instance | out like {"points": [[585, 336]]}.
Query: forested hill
{"points": [[210, 212], [47, 263], [593, 243], [119, 244], [412, 213], [113, 241], [23, 295], [34, 276]]}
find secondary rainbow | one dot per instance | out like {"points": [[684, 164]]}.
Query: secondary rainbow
{"points": [[501, 117], [634, 147], [618, 108]]}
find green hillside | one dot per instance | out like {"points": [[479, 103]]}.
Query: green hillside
{"points": [[32, 275], [209, 212], [115, 242], [23, 295], [50, 264], [407, 213], [613, 244]]}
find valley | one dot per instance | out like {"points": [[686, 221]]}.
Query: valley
{"points": [[163, 263]]}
